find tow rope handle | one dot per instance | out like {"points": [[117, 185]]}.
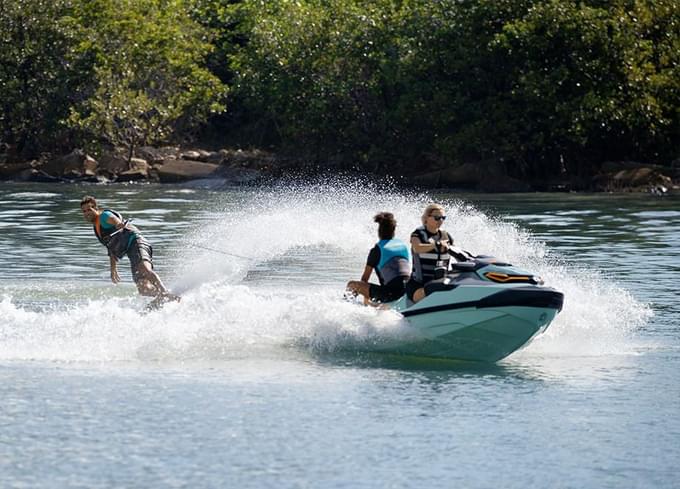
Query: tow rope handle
{"points": [[125, 223]]}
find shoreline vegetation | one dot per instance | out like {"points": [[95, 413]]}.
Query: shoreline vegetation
{"points": [[486, 95]]}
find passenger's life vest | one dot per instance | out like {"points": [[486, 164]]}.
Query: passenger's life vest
{"points": [[116, 241], [424, 264], [395, 260]]}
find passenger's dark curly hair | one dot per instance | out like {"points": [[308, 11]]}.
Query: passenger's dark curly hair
{"points": [[386, 224]]}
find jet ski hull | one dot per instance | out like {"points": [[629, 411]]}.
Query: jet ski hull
{"points": [[472, 334], [476, 319]]}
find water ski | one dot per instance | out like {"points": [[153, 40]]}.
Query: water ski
{"points": [[161, 300]]}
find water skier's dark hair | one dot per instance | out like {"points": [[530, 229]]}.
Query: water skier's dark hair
{"points": [[88, 199]]}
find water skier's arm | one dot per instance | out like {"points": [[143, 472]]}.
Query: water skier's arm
{"points": [[113, 220], [115, 278]]}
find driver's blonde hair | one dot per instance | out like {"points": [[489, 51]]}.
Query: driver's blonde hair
{"points": [[429, 210]]}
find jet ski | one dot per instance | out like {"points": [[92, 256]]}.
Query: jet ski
{"points": [[480, 310]]}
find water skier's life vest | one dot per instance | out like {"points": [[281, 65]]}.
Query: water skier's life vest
{"points": [[116, 241], [395, 260]]}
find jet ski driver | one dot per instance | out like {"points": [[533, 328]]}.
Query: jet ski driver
{"points": [[433, 250]]}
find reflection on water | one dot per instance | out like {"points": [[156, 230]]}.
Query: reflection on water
{"points": [[573, 370]]}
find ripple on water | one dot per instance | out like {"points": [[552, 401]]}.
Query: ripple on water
{"points": [[654, 222], [23, 195], [20, 212], [168, 200], [577, 212], [664, 213]]}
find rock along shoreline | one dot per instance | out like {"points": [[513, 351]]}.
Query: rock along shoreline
{"points": [[171, 164]]}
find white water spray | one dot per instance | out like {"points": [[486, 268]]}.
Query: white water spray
{"points": [[274, 285]]}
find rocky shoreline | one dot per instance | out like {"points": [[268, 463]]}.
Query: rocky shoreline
{"points": [[165, 165], [171, 164]]}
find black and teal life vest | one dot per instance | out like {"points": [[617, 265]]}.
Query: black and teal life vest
{"points": [[395, 260], [116, 241]]}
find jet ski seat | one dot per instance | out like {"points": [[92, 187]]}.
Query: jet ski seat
{"points": [[439, 285]]}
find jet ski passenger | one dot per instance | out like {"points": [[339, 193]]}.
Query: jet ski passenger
{"points": [[122, 238], [433, 250], [391, 261]]}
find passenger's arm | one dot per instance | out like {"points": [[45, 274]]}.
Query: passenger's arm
{"points": [[367, 273]]}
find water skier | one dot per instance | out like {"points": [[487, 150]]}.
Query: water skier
{"points": [[122, 238]]}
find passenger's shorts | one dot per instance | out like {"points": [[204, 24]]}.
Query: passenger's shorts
{"points": [[388, 292], [140, 250]]}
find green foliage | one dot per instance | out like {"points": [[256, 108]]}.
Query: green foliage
{"points": [[532, 83], [545, 86], [596, 81], [150, 81], [121, 72], [323, 71], [41, 71], [222, 18]]}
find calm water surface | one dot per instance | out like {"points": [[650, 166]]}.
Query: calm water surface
{"points": [[257, 378]]}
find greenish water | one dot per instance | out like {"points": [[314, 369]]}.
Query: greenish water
{"points": [[257, 378]]}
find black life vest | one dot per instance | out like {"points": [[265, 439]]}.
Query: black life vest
{"points": [[424, 264]]}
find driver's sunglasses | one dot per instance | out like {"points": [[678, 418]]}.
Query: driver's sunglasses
{"points": [[439, 218]]}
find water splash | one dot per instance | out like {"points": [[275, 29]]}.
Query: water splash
{"points": [[275, 284]]}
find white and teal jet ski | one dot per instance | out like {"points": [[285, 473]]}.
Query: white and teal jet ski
{"points": [[482, 310]]}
